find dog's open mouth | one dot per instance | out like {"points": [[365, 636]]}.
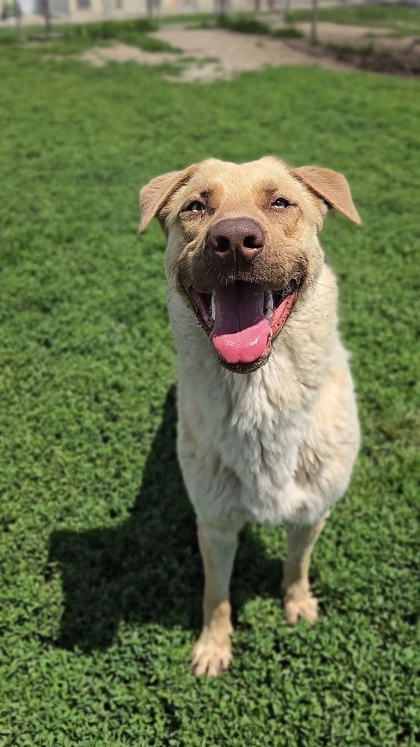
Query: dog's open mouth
{"points": [[242, 319]]}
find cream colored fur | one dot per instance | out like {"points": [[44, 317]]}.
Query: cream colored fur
{"points": [[275, 446]]}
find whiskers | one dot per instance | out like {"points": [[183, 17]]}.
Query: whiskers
{"points": [[173, 291], [323, 285], [315, 292]]}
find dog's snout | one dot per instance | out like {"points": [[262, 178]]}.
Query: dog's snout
{"points": [[240, 236]]}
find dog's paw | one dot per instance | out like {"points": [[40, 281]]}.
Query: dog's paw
{"points": [[301, 609], [210, 656]]}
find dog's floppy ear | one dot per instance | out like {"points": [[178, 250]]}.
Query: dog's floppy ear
{"points": [[154, 196], [332, 187]]}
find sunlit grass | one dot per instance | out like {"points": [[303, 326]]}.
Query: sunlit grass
{"points": [[101, 575]]}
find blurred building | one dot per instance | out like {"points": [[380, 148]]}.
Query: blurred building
{"points": [[80, 9]]}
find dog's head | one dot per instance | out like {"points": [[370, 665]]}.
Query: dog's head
{"points": [[243, 245]]}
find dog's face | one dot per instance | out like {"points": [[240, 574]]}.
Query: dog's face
{"points": [[243, 245]]}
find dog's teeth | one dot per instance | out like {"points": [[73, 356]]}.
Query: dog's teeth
{"points": [[213, 307], [268, 304]]}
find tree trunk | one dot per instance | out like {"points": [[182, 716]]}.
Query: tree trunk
{"points": [[314, 22], [220, 8], [45, 10]]}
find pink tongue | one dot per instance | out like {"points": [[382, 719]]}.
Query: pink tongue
{"points": [[241, 332]]}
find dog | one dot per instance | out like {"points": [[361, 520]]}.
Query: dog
{"points": [[267, 419]]}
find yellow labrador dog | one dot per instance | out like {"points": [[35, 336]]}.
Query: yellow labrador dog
{"points": [[268, 428]]}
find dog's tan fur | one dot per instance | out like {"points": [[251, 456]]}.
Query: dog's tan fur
{"points": [[276, 445]]}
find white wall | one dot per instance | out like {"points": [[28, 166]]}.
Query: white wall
{"points": [[28, 6]]}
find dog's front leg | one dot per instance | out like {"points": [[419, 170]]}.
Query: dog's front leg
{"points": [[212, 652], [299, 602]]}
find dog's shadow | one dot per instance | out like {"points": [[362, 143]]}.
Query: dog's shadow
{"points": [[147, 569]]}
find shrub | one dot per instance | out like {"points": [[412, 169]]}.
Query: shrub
{"points": [[245, 24]]}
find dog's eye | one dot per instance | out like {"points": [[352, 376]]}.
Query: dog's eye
{"points": [[281, 202], [194, 207]]}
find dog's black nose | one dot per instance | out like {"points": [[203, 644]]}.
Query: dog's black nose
{"points": [[241, 236]]}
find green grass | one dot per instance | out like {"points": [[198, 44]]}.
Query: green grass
{"points": [[74, 37], [287, 32], [132, 31], [101, 579], [246, 23], [401, 20]]}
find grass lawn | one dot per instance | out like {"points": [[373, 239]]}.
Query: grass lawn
{"points": [[401, 20], [101, 578], [71, 38]]}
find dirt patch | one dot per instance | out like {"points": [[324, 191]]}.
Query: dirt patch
{"points": [[405, 64], [341, 48], [236, 53], [356, 36], [117, 52], [211, 54], [362, 48]]}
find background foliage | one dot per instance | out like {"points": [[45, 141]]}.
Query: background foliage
{"points": [[101, 577]]}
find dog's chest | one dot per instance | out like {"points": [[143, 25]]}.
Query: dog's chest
{"points": [[257, 440], [253, 434]]}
